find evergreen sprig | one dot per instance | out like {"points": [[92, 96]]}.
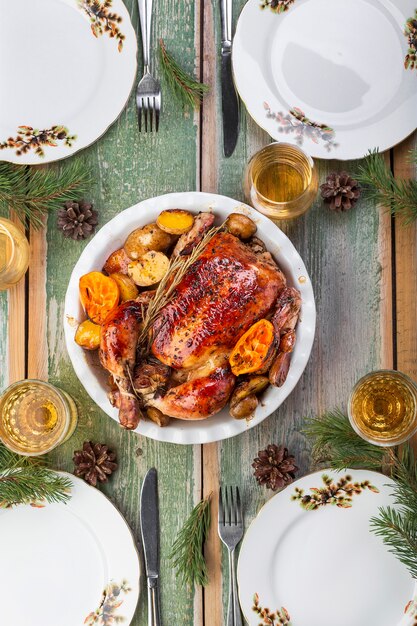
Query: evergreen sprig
{"points": [[185, 86], [380, 186], [335, 440], [32, 192], [27, 480], [187, 550]]}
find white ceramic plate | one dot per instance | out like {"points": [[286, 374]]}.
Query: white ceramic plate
{"points": [[323, 566], [328, 75], [63, 78], [112, 236], [67, 564]]}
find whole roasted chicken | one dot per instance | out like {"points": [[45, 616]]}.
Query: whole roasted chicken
{"points": [[230, 286]]}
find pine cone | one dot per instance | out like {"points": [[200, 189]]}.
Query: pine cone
{"points": [[95, 462], [340, 191], [77, 219], [274, 467]]}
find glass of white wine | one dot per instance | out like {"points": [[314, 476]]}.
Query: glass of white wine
{"points": [[281, 181], [35, 417], [382, 408], [14, 254]]}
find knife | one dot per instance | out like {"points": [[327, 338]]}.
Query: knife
{"points": [[230, 100], [149, 524]]}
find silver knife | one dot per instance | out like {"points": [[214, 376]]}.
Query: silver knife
{"points": [[149, 524], [230, 100]]}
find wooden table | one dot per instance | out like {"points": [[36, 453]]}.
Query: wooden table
{"points": [[363, 267]]}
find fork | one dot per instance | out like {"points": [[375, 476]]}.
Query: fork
{"points": [[148, 93], [231, 532]]}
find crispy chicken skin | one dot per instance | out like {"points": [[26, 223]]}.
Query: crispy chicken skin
{"points": [[223, 293], [119, 337]]}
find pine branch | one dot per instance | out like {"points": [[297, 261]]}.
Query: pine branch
{"points": [[188, 90], [380, 186], [398, 530], [187, 550], [32, 192], [336, 442], [26, 480]]}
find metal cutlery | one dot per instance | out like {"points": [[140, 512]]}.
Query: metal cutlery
{"points": [[148, 93], [230, 100], [231, 532], [149, 523]]}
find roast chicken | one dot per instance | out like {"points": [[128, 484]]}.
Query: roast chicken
{"points": [[228, 288]]}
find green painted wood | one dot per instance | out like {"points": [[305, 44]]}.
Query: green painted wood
{"points": [[341, 255], [130, 167], [3, 340]]}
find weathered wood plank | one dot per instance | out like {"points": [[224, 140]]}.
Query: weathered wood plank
{"points": [[37, 348], [129, 167], [406, 272], [16, 327]]}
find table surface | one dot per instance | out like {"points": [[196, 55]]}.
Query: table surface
{"points": [[362, 264]]}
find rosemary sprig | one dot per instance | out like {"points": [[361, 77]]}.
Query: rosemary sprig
{"points": [[187, 551], [380, 186], [188, 90], [333, 437], [25, 480], [177, 269], [32, 192]]}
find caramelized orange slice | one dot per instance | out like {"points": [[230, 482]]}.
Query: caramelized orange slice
{"points": [[253, 349], [99, 295]]}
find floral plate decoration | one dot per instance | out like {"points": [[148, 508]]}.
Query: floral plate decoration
{"points": [[79, 558], [65, 96], [317, 550], [323, 87]]}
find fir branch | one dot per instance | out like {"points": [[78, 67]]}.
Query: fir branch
{"points": [[336, 442], [187, 551], [398, 531], [188, 90], [26, 480], [381, 187], [32, 192]]}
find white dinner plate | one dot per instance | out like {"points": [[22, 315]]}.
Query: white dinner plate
{"points": [[112, 236], [67, 68], [328, 75], [73, 564], [310, 557]]}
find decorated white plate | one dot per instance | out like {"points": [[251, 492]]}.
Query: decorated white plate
{"points": [[112, 236], [310, 559], [73, 564], [337, 77], [67, 68]]}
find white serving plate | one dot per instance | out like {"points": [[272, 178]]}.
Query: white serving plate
{"points": [[68, 563], [338, 64], [60, 67], [112, 237], [324, 566]]}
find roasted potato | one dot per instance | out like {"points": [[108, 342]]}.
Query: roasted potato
{"points": [[150, 237], [244, 408], [127, 288], [117, 262], [88, 335], [149, 269], [240, 225], [175, 221], [253, 385], [158, 417]]}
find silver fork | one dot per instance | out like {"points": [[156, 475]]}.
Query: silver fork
{"points": [[148, 93], [231, 532]]}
